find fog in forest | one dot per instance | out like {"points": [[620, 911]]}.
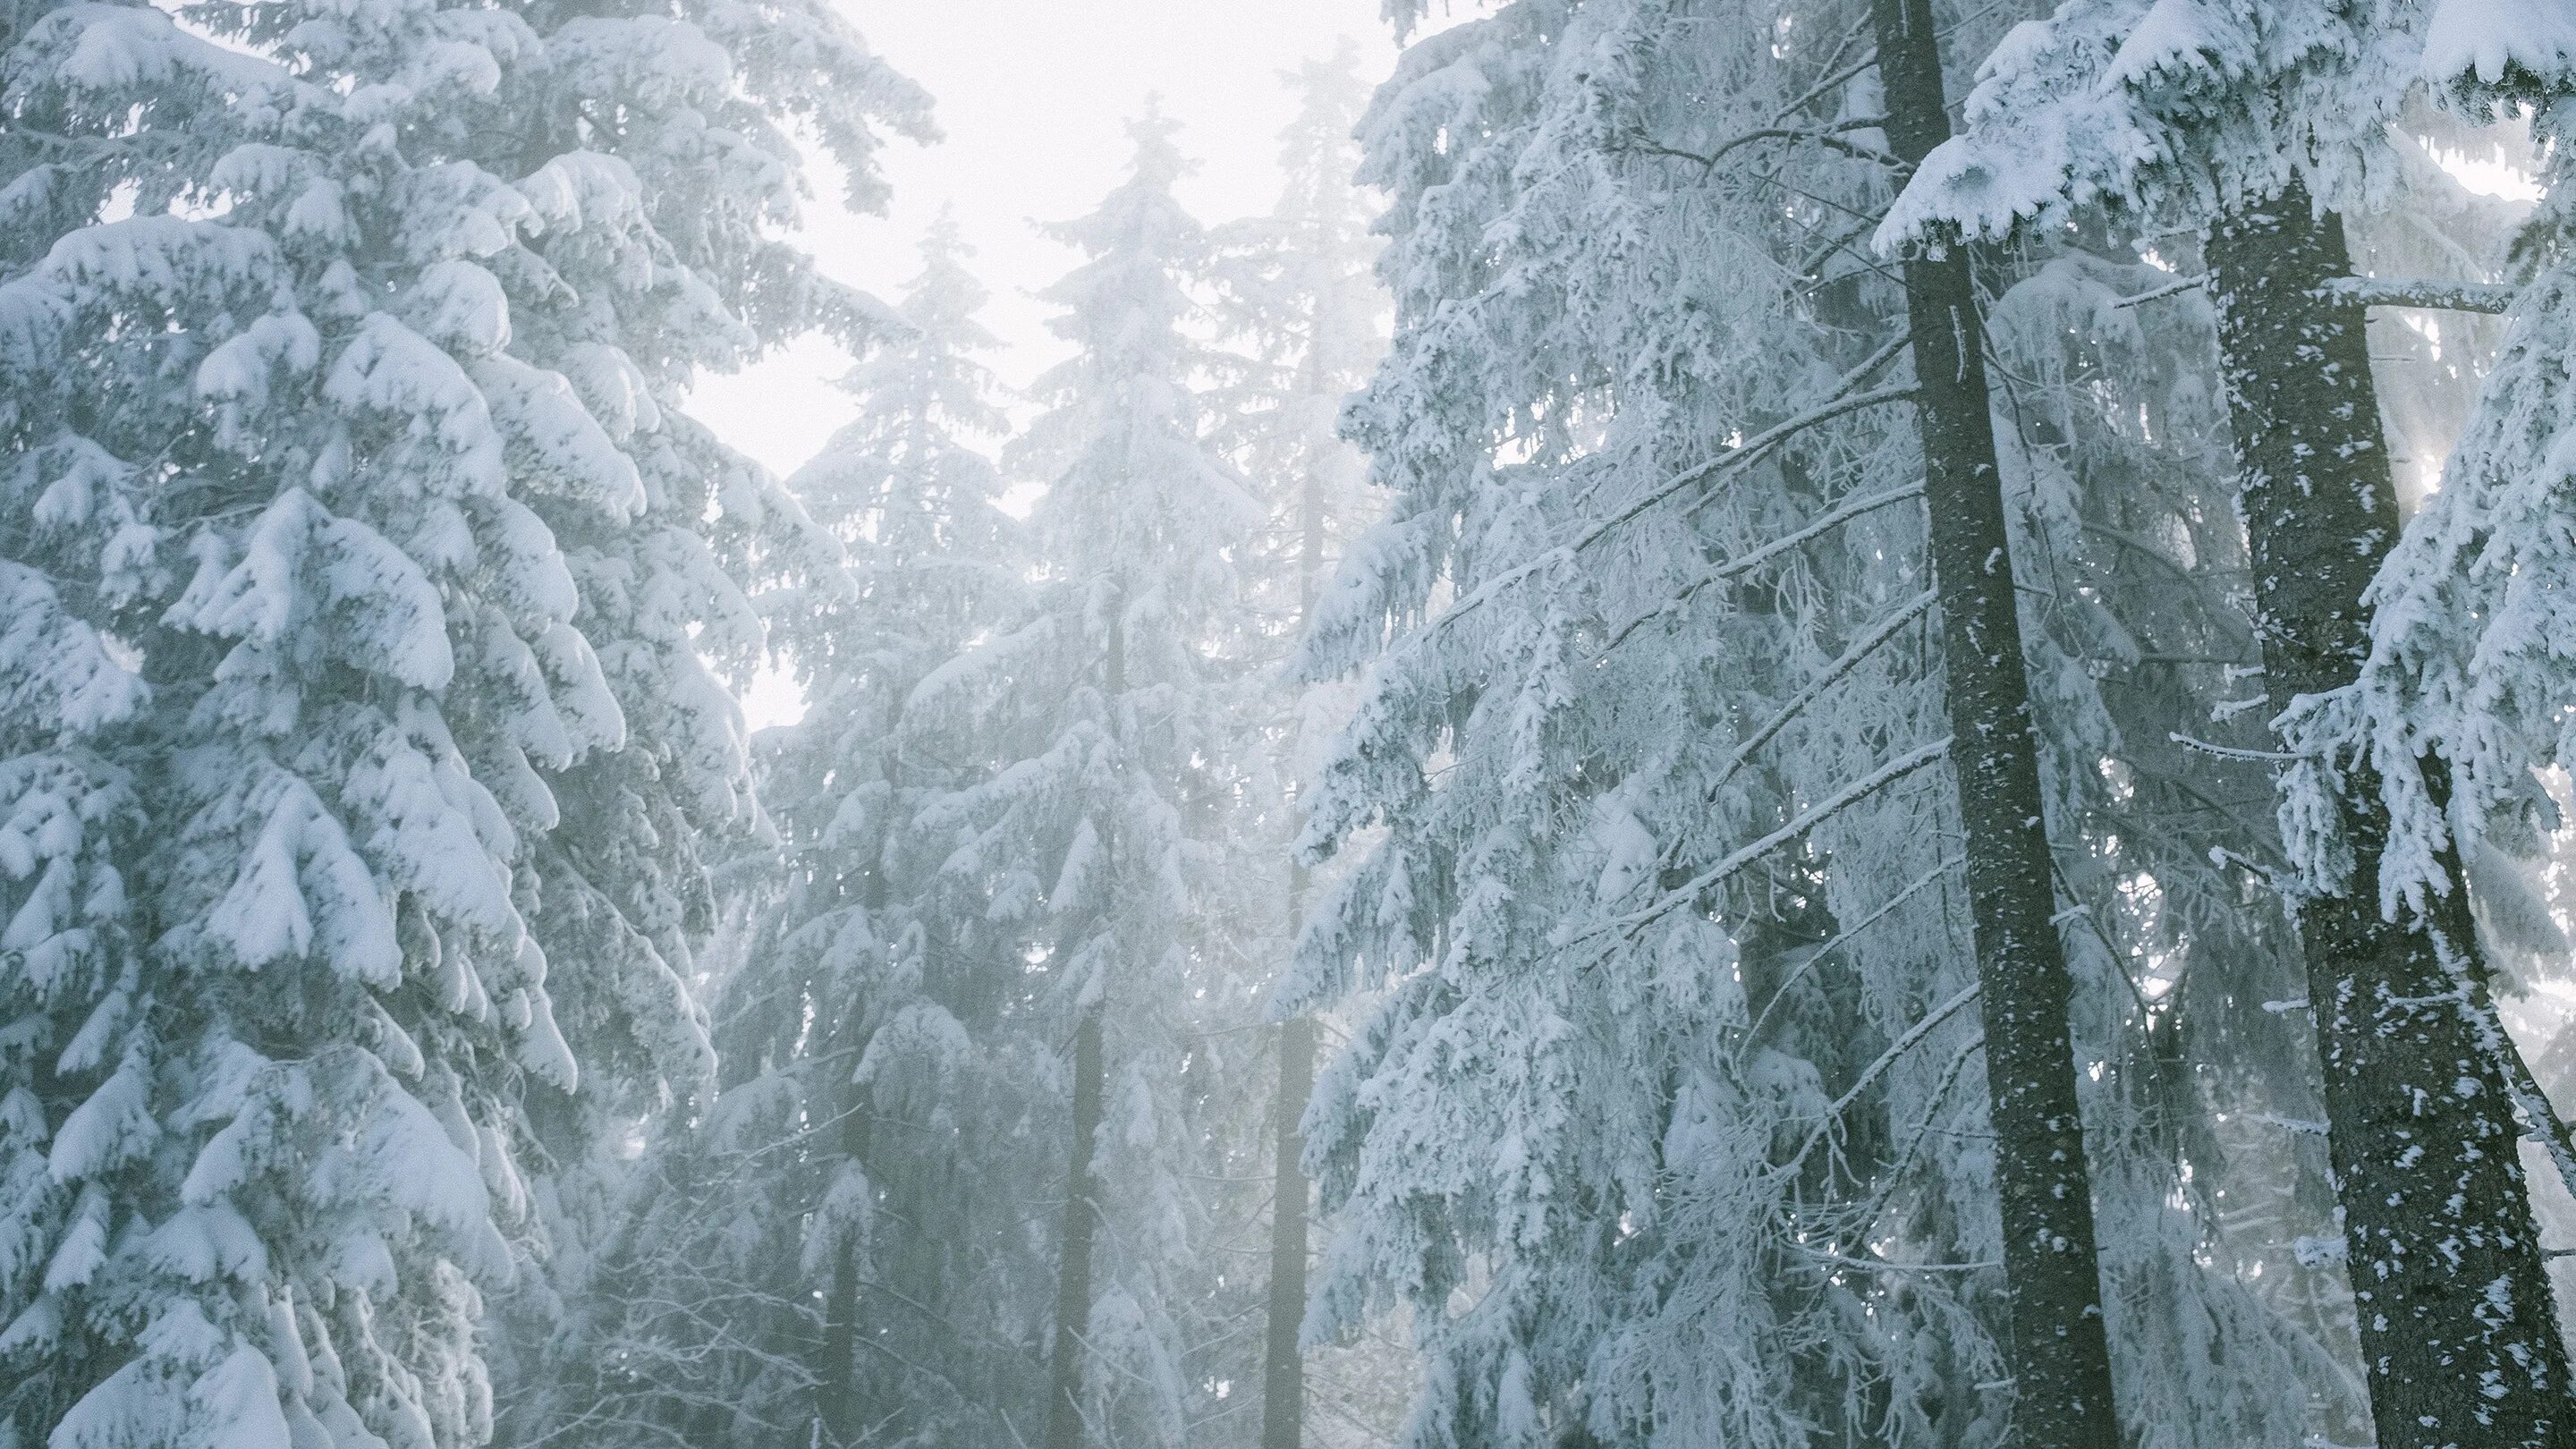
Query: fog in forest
{"points": [[1509, 724]]}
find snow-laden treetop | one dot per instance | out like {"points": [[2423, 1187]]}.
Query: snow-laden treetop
{"points": [[2174, 108]]}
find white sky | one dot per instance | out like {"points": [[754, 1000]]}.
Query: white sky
{"points": [[1034, 96]]}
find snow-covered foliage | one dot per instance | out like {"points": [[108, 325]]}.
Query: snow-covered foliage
{"points": [[2261, 124], [2178, 108], [1666, 1129], [427, 1018], [2467, 694], [871, 1129], [1100, 839], [1296, 294], [356, 736]]}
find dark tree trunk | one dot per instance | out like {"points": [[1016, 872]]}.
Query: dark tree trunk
{"points": [[1090, 1089], [839, 1403], [2458, 1329], [1283, 1369], [2057, 1351], [1081, 1222], [836, 1399], [1283, 1366]]}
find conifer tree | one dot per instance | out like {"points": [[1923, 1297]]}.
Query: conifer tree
{"points": [[350, 554], [1663, 912], [2259, 121], [841, 1216], [1296, 289], [2058, 1350], [1104, 705]]}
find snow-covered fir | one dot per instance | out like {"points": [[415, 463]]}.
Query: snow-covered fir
{"points": [[359, 738], [1666, 759]]}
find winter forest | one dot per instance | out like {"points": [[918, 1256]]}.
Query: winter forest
{"points": [[1755, 724]]}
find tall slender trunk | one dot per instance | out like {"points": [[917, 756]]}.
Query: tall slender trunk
{"points": [[2458, 1328], [837, 1409], [840, 1409], [1283, 1365], [1081, 1222], [1283, 1369], [2059, 1356], [1090, 1089]]}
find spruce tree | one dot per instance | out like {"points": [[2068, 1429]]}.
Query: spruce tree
{"points": [[1655, 902], [1296, 290], [1106, 707], [341, 564], [2260, 122], [840, 1216]]}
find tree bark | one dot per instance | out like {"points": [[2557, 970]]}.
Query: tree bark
{"points": [[2058, 1353], [1283, 1369], [1081, 1223], [1090, 1090], [837, 1397], [2458, 1328], [1283, 1364], [839, 1403]]}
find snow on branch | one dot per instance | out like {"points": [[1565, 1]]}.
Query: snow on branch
{"points": [[1833, 138], [1841, 800], [2488, 297], [2434, 295], [1870, 1074], [1780, 993], [1742, 564], [2169, 289], [1852, 659], [1747, 452]]}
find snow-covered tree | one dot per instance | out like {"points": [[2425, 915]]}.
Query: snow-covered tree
{"points": [[833, 1246], [1297, 290], [352, 551], [1101, 837], [2255, 120], [1561, 1113], [1664, 908]]}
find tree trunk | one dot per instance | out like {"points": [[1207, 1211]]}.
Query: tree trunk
{"points": [[1090, 1089], [1081, 1221], [838, 1402], [2058, 1354], [1283, 1370], [836, 1398], [839, 1405], [1283, 1364], [2458, 1328]]}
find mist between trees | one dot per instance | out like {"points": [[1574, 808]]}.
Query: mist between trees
{"points": [[1781, 724]]}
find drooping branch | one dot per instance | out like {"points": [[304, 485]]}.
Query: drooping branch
{"points": [[1743, 454], [1753, 1033], [1859, 653], [1843, 799], [1742, 564], [1914, 1036]]}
